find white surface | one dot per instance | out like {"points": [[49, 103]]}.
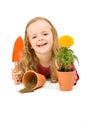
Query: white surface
{"points": [[47, 108]]}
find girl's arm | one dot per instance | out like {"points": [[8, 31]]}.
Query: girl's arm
{"points": [[76, 75]]}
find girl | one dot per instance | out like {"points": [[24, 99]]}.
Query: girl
{"points": [[40, 46]]}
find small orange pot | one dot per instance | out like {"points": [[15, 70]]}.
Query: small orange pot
{"points": [[66, 80], [33, 80]]}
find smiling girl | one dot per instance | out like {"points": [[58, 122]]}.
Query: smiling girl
{"points": [[40, 46]]}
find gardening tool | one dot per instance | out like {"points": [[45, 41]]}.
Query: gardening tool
{"points": [[17, 54]]}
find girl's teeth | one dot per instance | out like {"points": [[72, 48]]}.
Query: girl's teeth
{"points": [[42, 45]]}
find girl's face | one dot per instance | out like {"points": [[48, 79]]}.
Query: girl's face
{"points": [[40, 37]]}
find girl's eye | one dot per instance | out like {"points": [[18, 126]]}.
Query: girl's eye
{"points": [[33, 37], [45, 34]]}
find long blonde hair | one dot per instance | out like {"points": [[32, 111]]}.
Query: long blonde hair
{"points": [[30, 60]]}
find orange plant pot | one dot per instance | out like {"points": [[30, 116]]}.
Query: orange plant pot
{"points": [[33, 80], [66, 80]]}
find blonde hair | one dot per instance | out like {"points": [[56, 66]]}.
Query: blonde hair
{"points": [[30, 60]]}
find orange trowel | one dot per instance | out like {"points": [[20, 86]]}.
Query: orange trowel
{"points": [[17, 54]]}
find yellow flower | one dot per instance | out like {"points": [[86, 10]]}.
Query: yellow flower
{"points": [[66, 41]]}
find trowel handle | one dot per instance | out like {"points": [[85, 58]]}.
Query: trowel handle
{"points": [[17, 81]]}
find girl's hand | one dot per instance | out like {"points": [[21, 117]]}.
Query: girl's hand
{"points": [[17, 76]]}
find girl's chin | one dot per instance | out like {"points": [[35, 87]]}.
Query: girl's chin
{"points": [[43, 51]]}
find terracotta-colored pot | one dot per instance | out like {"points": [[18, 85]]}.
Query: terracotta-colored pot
{"points": [[66, 80], [33, 80]]}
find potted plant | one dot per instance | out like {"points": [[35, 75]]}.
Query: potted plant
{"points": [[64, 60]]}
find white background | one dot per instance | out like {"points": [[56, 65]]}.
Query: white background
{"points": [[47, 108]]}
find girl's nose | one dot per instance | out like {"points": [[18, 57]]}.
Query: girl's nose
{"points": [[40, 37]]}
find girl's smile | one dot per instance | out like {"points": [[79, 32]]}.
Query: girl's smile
{"points": [[42, 45]]}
